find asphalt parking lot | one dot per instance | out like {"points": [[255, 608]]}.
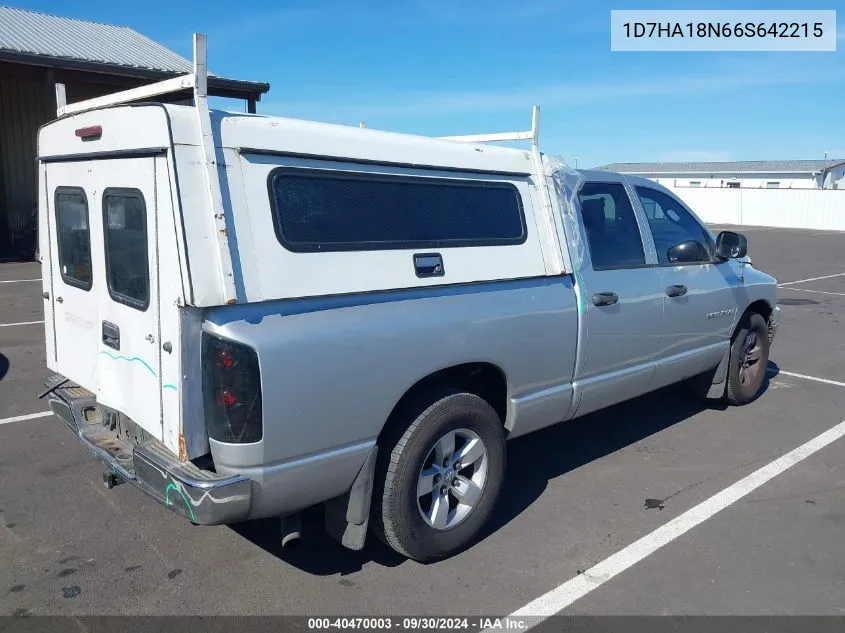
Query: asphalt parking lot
{"points": [[575, 495]]}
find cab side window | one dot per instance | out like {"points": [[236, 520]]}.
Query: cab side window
{"points": [[74, 237], [127, 260], [671, 224], [611, 226]]}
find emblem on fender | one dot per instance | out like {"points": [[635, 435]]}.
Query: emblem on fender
{"points": [[720, 313]]}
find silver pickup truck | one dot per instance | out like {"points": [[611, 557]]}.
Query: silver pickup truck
{"points": [[248, 315]]}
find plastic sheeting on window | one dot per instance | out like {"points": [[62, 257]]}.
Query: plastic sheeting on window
{"points": [[565, 183]]}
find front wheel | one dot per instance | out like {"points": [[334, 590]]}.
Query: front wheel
{"points": [[748, 360], [440, 477]]}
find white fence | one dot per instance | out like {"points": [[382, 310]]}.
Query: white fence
{"points": [[822, 209]]}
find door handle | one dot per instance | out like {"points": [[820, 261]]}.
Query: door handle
{"points": [[605, 298], [111, 335], [59, 300], [676, 291], [428, 265]]}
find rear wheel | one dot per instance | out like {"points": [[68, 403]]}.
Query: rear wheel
{"points": [[748, 360], [440, 477]]}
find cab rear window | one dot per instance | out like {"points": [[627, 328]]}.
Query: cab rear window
{"points": [[318, 210], [74, 237]]}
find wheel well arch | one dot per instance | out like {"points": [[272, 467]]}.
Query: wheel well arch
{"points": [[484, 379], [761, 307]]}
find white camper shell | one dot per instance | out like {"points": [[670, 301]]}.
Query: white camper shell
{"points": [[134, 173]]}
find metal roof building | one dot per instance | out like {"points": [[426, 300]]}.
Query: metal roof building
{"points": [[728, 167], [38, 51], [745, 174]]}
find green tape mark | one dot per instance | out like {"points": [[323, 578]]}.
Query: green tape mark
{"points": [[140, 360], [582, 296], [168, 502], [133, 358]]}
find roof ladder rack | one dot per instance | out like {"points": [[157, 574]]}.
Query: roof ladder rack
{"points": [[198, 82], [558, 255], [532, 135]]}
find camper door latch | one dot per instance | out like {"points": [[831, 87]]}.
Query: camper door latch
{"points": [[46, 295], [150, 338], [111, 335]]}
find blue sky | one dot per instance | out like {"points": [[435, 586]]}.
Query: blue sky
{"points": [[457, 67]]}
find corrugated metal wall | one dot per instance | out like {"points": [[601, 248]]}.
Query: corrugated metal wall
{"points": [[819, 209], [24, 106]]}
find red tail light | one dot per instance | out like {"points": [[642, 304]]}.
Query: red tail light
{"points": [[231, 391], [89, 133], [225, 359], [227, 398]]}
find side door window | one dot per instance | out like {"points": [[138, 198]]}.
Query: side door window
{"points": [[613, 235], [671, 224], [125, 233], [74, 237]]}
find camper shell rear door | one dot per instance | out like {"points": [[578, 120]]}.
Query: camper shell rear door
{"points": [[103, 203]]}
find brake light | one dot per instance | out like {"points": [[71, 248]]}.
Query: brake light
{"points": [[225, 359], [90, 133], [231, 391], [227, 398]]}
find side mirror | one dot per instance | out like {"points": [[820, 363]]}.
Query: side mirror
{"points": [[730, 245], [688, 252]]}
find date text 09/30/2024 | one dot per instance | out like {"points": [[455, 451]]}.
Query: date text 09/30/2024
{"points": [[421, 623]]}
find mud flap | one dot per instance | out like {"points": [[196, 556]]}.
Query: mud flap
{"points": [[720, 378], [347, 516]]}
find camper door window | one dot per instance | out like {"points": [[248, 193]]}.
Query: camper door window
{"points": [[127, 259], [73, 237]]}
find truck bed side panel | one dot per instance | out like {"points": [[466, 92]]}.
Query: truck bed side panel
{"points": [[332, 369]]}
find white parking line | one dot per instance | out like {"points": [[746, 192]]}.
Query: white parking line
{"points": [[17, 281], [821, 292], [563, 596], [827, 381], [801, 281], [29, 416], [20, 323]]}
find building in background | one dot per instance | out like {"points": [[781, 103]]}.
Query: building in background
{"points": [[801, 194], [749, 174], [38, 51]]}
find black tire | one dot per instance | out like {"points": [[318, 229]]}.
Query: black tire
{"points": [[402, 454], [744, 386]]}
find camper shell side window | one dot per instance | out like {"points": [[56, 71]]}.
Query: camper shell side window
{"points": [[74, 237], [323, 210], [125, 241]]}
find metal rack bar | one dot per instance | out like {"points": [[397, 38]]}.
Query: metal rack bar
{"points": [[197, 81], [559, 263]]}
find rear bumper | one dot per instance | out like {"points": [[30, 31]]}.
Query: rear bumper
{"points": [[201, 496]]}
